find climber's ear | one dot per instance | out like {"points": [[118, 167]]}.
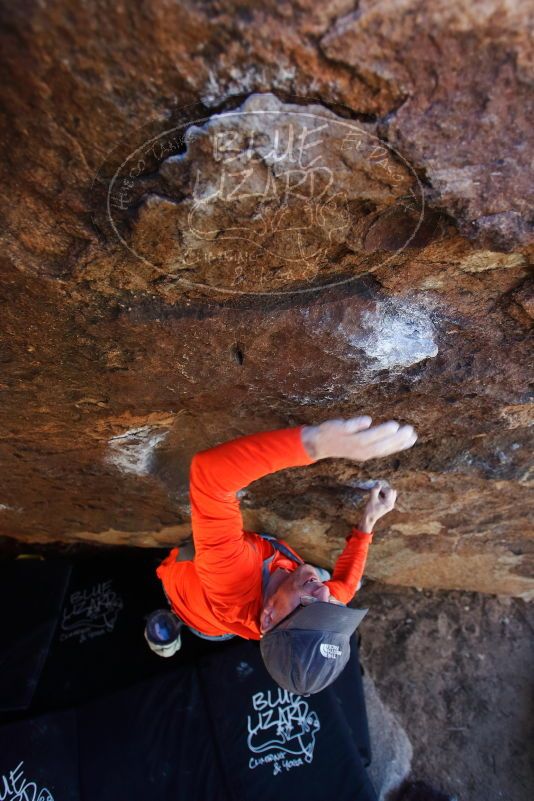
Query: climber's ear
{"points": [[266, 617]]}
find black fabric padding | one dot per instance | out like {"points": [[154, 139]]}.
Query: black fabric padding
{"points": [[39, 759], [99, 645], [151, 742], [347, 692], [208, 724], [318, 758], [31, 595]]}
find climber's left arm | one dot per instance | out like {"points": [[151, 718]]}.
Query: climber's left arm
{"points": [[222, 557], [224, 561]]}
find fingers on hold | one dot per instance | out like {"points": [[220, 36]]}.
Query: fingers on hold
{"points": [[410, 431], [389, 445], [405, 437], [391, 427], [388, 438], [358, 423], [338, 421], [409, 439], [389, 498], [383, 431]]}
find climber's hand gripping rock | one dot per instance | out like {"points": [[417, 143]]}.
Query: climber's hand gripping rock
{"points": [[381, 501], [355, 439]]}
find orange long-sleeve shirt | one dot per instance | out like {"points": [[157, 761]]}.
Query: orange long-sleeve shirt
{"points": [[221, 591]]}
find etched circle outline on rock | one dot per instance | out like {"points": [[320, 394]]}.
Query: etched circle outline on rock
{"points": [[238, 113]]}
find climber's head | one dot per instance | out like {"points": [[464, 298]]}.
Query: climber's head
{"points": [[305, 632], [286, 591]]}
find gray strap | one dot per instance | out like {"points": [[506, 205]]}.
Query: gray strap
{"points": [[279, 546]]}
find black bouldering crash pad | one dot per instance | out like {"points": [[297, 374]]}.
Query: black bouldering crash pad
{"points": [[31, 596], [109, 719]]}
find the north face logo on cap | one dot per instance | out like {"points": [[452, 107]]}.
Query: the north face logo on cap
{"points": [[329, 651]]}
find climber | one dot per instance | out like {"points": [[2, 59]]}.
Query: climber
{"points": [[257, 587]]}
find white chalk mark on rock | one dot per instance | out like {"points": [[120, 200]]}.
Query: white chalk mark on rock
{"points": [[132, 452], [397, 333]]}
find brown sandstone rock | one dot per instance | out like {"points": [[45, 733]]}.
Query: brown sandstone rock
{"points": [[132, 338]]}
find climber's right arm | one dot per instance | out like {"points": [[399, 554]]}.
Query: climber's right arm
{"points": [[349, 567]]}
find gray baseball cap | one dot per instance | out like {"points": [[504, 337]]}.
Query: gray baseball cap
{"points": [[309, 648]]}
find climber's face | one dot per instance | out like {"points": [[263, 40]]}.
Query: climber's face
{"points": [[289, 589]]}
